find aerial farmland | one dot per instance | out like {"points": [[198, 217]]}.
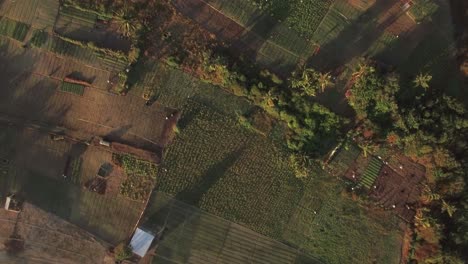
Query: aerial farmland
{"points": [[219, 131]]}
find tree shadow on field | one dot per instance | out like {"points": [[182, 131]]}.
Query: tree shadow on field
{"points": [[357, 37], [81, 77], [118, 133]]}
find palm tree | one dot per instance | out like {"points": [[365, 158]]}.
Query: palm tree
{"points": [[305, 81], [428, 195], [450, 209], [125, 22], [324, 80], [363, 68], [422, 80]]}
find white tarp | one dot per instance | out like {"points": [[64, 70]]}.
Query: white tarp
{"points": [[141, 241]]}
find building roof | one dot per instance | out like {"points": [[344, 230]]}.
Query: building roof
{"points": [[141, 242]]}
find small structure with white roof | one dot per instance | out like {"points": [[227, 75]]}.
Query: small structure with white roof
{"points": [[141, 242]]}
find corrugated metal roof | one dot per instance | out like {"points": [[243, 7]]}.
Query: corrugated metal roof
{"points": [[141, 242]]}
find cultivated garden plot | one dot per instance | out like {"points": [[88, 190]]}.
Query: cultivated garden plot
{"points": [[220, 157], [188, 235], [249, 29], [13, 29], [42, 182], [87, 26]]}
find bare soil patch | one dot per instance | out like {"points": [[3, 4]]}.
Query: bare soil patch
{"points": [[52, 240], [399, 188], [361, 4]]}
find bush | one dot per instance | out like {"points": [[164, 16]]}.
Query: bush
{"points": [[122, 252]]}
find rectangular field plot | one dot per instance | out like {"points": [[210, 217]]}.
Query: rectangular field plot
{"points": [[76, 51], [23, 11], [13, 29], [189, 235], [46, 13], [72, 88]]}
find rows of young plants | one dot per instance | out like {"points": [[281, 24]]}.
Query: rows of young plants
{"points": [[24, 11], [370, 173], [197, 237], [13, 29], [72, 88], [86, 52], [211, 164], [141, 176], [302, 16], [344, 157], [264, 23]]}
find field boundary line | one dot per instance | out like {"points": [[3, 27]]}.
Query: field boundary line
{"points": [[249, 30]]}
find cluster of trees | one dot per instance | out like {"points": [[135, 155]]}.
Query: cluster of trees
{"points": [[432, 128]]}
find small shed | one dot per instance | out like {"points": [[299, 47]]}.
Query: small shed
{"points": [[141, 242]]}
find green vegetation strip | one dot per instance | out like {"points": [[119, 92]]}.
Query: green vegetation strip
{"points": [[13, 29], [78, 14], [72, 88], [370, 174]]}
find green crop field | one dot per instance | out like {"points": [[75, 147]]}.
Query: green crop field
{"points": [[302, 16], [370, 173], [344, 157], [77, 51], [211, 164], [340, 16], [72, 88], [13, 29], [193, 236], [336, 229]]}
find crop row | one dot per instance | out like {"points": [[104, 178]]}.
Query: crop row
{"points": [[371, 172], [197, 237], [13, 29], [233, 173], [72, 88]]}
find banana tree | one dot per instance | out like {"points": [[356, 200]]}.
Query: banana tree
{"points": [[422, 80]]}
